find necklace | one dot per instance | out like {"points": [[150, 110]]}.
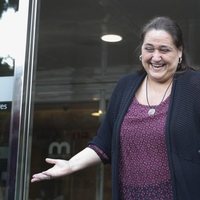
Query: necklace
{"points": [[152, 109]]}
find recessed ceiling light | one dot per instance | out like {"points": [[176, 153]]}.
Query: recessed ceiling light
{"points": [[111, 38], [97, 114]]}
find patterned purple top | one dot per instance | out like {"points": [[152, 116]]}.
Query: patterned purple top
{"points": [[144, 170]]}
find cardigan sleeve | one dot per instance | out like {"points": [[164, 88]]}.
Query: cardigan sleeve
{"points": [[103, 139], [104, 158]]}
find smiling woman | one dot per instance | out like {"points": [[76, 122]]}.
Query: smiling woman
{"points": [[147, 128], [140, 133], [160, 56]]}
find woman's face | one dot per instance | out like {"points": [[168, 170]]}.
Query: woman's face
{"points": [[160, 56]]}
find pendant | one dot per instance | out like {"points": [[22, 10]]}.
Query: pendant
{"points": [[151, 111]]}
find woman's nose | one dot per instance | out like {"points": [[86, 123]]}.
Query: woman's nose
{"points": [[156, 56]]}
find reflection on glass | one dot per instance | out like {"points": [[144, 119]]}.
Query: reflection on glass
{"points": [[7, 66], [5, 110], [8, 21], [5, 4], [12, 31], [61, 131], [7, 40]]}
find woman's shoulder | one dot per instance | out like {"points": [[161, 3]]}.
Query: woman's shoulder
{"points": [[189, 73], [127, 83], [193, 74], [132, 77], [191, 78]]}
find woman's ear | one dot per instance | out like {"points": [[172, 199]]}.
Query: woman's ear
{"points": [[180, 52]]}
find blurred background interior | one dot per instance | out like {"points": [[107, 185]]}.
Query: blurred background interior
{"points": [[76, 73]]}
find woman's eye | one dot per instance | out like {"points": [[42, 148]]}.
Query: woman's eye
{"points": [[164, 50], [149, 49]]}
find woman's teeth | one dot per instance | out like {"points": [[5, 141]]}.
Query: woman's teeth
{"points": [[157, 66]]}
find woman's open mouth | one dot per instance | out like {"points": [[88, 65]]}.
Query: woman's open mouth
{"points": [[157, 66]]}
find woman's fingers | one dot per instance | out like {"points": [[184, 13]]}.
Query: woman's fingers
{"points": [[51, 161], [40, 176], [45, 175]]}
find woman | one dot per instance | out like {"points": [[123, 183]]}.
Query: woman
{"points": [[151, 131]]}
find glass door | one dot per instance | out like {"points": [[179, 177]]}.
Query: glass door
{"points": [[17, 41]]}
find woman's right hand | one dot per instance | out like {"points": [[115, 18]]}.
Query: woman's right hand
{"points": [[87, 157], [60, 168]]}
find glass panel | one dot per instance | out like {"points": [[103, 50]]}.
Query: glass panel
{"points": [[15, 70], [60, 131], [7, 69], [5, 112]]}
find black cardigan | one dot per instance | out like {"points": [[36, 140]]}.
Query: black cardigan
{"points": [[182, 131]]}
